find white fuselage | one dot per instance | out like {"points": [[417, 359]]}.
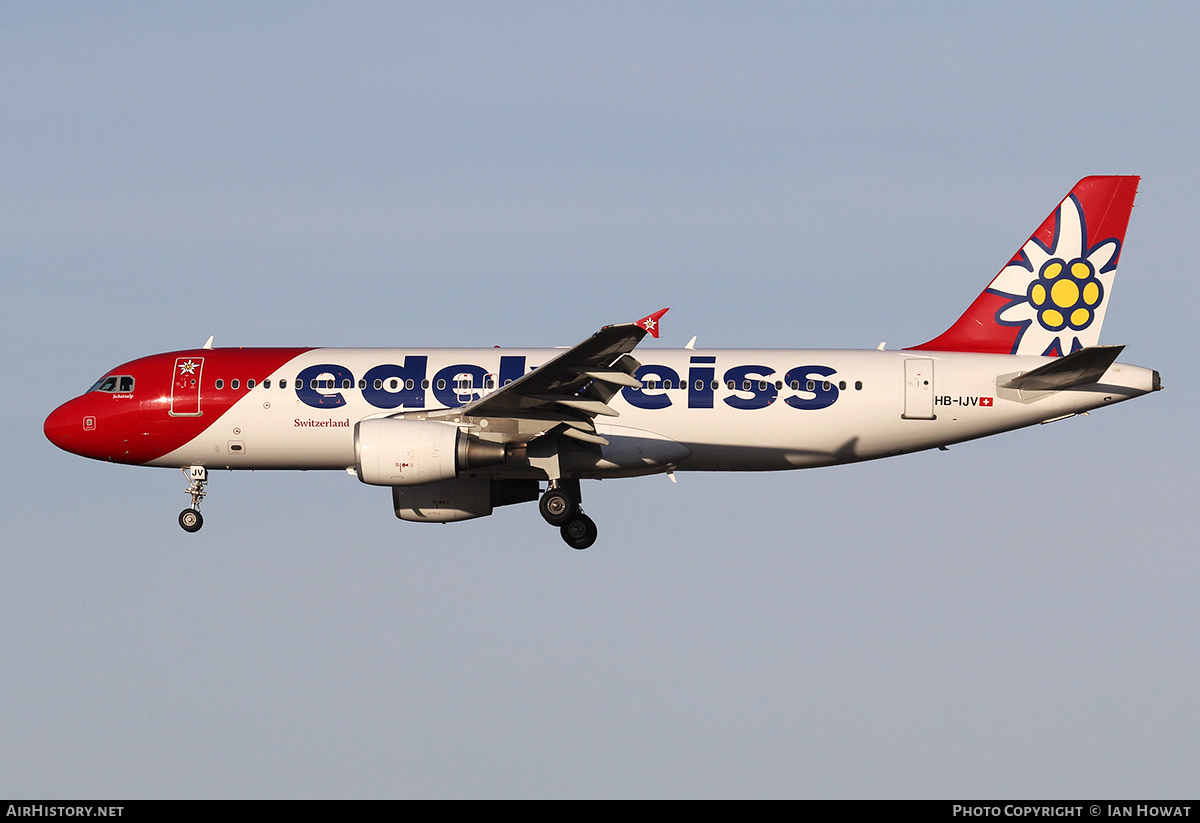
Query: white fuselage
{"points": [[785, 409]]}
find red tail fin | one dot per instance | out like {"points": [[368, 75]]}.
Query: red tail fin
{"points": [[1051, 297]]}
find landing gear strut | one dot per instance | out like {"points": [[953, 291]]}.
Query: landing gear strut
{"points": [[190, 520], [560, 507]]}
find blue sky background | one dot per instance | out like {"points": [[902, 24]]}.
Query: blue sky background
{"points": [[1013, 618]]}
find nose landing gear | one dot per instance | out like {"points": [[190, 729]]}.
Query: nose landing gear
{"points": [[190, 520]]}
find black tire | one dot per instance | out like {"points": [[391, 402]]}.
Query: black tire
{"points": [[190, 520], [579, 532], [557, 506]]}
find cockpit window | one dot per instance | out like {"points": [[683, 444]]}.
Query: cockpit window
{"points": [[114, 383]]}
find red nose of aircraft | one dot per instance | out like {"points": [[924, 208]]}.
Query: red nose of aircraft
{"points": [[60, 425], [72, 428]]}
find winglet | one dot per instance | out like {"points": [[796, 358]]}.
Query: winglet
{"points": [[650, 322]]}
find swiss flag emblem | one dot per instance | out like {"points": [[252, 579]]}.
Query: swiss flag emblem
{"points": [[985, 401]]}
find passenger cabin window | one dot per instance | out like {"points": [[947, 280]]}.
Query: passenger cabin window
{"points": [[233, 384], [220, 384]]}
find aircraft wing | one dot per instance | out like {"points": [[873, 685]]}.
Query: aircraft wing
{"points": [[575, 386]]}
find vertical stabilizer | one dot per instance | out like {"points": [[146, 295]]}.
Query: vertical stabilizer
{"points": [[1051, 297]]}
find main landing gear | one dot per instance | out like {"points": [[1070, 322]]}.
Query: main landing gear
{"points": [[190, 520], [560, 507]]}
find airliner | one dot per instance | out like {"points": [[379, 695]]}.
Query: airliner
{"points": [[455, 433]]}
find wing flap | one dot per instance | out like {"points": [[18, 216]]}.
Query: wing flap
{"points": [[584, 437], [590, 407], [617, 378]]}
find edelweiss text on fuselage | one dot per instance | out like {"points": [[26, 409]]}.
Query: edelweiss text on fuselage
{"points": [[395, 385]]}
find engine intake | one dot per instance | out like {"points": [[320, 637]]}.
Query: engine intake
{"points": [[391, 452]]}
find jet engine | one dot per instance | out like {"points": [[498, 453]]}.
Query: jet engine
{"points": [[392, 452], [461, 499]]}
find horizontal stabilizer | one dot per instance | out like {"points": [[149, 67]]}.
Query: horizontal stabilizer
{"points": [[1079, 369]]}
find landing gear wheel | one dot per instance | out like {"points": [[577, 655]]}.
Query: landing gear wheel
{"points": [[579, 532], [557, 506], [190, 520]]}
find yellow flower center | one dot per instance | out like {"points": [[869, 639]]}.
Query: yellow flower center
{"points": [[1066, 301]]}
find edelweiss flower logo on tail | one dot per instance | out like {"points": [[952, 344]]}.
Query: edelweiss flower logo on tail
{"points": [[1057, 295]]}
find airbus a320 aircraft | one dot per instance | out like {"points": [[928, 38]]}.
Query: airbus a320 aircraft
{"points": [[455, 433]]}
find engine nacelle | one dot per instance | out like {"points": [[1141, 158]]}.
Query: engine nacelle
{"points": [[461, 499], [391, 452]]}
